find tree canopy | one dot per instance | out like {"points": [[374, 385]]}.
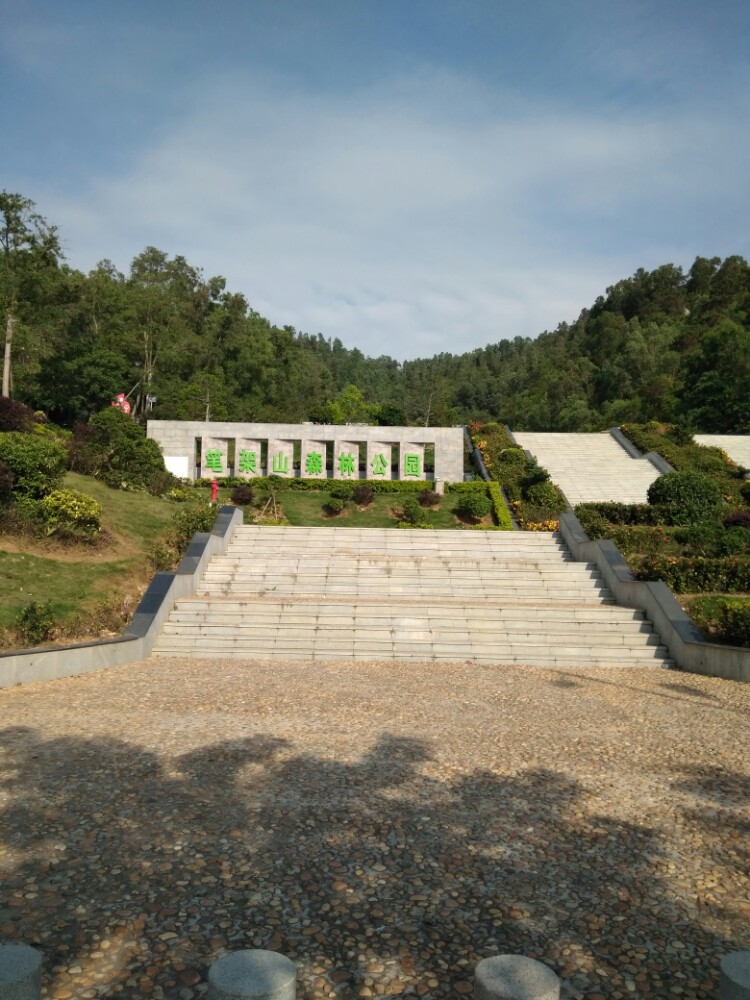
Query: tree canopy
{"points": [[660, 345]]}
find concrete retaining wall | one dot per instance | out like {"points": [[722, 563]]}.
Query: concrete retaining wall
{"points": [[51, 663], [678, 633]]}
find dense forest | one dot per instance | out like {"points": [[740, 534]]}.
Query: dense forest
{"points": [[660, 345]]}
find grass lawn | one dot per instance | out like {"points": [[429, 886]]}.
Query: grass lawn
{"points": [[302, 508]]}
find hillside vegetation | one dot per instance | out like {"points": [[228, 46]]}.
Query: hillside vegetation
{"points": [[660, 345]]}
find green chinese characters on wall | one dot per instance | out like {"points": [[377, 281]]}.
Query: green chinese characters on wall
{"points": [[247, 458], [313, 457], [379, 460], [214, 453], [412, 461], [281, 458]]}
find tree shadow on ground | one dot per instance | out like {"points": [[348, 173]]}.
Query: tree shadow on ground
{"points": [[134, 872]]}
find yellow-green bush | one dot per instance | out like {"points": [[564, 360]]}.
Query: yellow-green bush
{"points": [[68, 512]]}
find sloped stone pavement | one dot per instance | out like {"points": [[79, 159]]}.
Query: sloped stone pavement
{"points": [[384, 825]]}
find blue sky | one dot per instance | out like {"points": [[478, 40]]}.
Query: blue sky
{"points": [[412, 176]]}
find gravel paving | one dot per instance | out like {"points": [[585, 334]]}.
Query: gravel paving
{"points": [[384, 825]]}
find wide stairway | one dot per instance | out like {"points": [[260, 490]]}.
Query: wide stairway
{"points": [[382, 594], [590, 468]]}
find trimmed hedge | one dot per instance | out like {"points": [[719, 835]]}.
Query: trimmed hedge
{"points": [[733, 622], [696, 574], [619, 513]]}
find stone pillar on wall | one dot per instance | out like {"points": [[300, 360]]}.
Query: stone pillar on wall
{"points": [[412, 461], [281, 458], [247, 456], [214, 457], [346, 459], [313, 460], [379, 460]]}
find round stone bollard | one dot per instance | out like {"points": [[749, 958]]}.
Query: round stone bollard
{"points": [[735, 976], [253, 974], [20, 972], [514, 977]]}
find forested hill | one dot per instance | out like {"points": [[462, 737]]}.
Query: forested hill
{"points": [[660, 345]]}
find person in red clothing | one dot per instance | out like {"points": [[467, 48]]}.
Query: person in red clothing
{"points": [[214, 490]]}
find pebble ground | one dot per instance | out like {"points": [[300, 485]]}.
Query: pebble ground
{"points": [[384, 825]]}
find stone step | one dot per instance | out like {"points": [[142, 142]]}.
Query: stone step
{"points": [[549, 594], [605, 614], [441, 559], [334, 623], [429, 576], [583, 654], [281, 632]]}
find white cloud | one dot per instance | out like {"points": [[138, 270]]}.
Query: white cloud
{"points": [[427, 215]]}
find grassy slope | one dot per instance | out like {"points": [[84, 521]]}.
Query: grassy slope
{"points": [[76, 579]]}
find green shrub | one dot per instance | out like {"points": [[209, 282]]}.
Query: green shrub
{"points": [[499, 507], [37, 463], [713, 540], [68, 512], [733, 622], [178, 495], [697, 574], [242, 495], [15, 416], [363, 494], [621, 513], [342, 491], [639, 539], [334, 505], [6, 483], [592, 521], [686, 497], [546, 498], [476, 505], [161, 482], [115, 448], [413, 513], [187, 521], [429, 498], [35, 623]]}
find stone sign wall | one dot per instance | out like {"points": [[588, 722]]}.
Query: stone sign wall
{"points": [[315, 451]]}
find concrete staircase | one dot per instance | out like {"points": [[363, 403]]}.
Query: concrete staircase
{"points": [[369, 594], [590, 467], [737, 446]]}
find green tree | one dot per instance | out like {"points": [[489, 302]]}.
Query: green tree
{"points": [[28, 246]]}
